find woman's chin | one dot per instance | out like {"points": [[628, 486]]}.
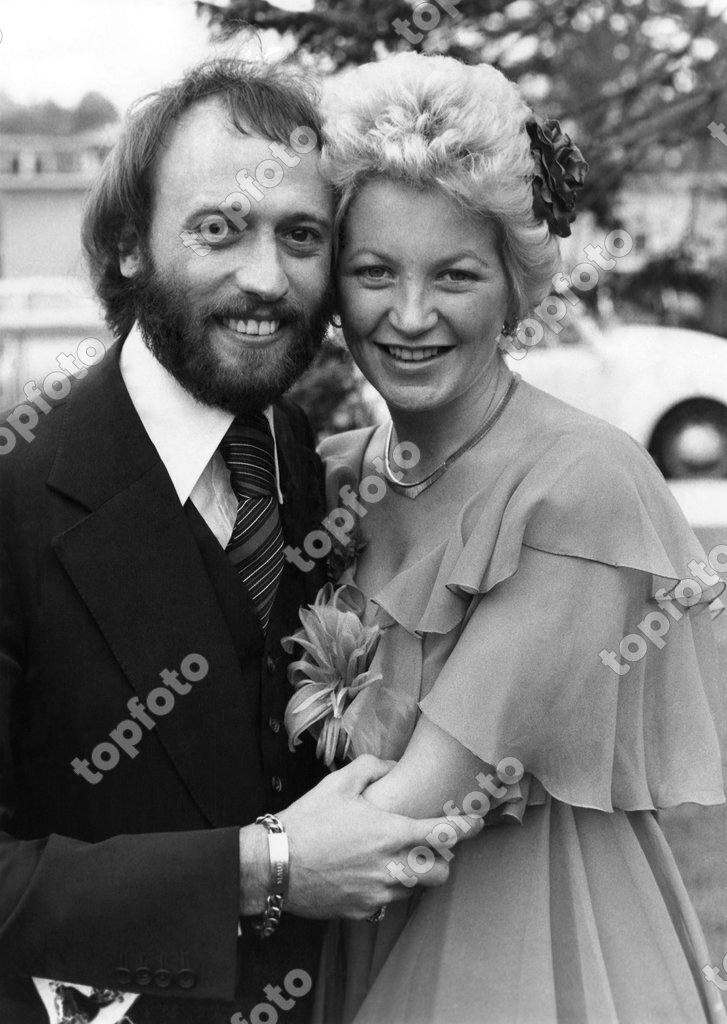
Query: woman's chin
{"points": [[409, 401], [410, 404]]}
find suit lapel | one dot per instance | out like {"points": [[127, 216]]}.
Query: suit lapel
{"points": [[301, 480], [136, 565]]}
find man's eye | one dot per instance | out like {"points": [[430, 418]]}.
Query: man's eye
{"points": [[303, 236], [215, 228]]}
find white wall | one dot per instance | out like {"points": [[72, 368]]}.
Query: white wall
{"points": [[40, 231]]}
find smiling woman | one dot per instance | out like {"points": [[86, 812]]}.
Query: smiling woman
{"points": [[422, 320], [526, 535]]}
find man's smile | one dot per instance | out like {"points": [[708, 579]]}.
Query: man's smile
{"points": [[258, 333], [252, 326]]}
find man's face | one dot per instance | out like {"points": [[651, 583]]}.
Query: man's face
{"points": [[238, 314]]}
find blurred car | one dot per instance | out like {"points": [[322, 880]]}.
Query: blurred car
{"points": [[40, 319], [665, 386]]}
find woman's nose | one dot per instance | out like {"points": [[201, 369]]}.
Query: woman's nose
{"points": [[412, 312]]}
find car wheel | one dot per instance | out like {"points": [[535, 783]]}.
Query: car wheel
{"points": [[691, 441]]}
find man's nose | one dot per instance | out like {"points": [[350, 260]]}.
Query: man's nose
{"points": [[261, 271], [412, 311]]}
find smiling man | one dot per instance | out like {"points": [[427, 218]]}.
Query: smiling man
{"points": [[143, 529], [234, 333]]}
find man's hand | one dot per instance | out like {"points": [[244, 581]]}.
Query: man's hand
{"points": [[340, 846]]}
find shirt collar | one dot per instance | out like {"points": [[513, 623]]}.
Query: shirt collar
{"points": [[185, 432]]}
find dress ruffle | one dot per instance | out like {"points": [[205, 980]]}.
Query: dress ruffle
{"points": [[570, 540]]}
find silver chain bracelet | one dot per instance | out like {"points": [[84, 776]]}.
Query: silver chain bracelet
{"points": [[279, 870]]}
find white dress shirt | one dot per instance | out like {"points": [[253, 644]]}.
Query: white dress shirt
{"points": [[186, 434]]}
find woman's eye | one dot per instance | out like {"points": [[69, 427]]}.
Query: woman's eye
{"points": [[374, 273], [458, 276]]}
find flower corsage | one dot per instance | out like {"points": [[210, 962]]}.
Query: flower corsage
{"points": [[335, 666]]}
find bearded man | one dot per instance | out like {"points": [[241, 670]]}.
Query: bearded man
{"points": [[144, 592]]}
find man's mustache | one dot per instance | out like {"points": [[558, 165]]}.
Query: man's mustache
{"points": [[234, 307], [237, 310]]}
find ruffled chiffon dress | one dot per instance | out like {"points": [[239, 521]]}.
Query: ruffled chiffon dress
{"points": [[570, 907]]}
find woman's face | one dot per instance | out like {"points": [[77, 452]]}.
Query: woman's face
{"points": [[422, 293]]}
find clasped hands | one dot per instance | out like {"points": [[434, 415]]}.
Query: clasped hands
{"points": [[341, 849]]}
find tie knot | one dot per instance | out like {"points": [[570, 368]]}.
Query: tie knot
{"points": [[249, 454]]}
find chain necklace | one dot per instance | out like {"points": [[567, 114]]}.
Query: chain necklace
{"points": [[414, 490]]}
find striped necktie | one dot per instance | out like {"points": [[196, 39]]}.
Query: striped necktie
{"points": [[256, 545]]}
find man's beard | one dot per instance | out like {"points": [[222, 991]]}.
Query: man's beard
{"points": [[176, 330]]}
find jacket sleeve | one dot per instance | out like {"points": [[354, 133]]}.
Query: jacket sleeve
{"points": [[78, 912]]}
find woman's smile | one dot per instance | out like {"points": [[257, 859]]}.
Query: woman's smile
{"points": [[410, 356]]}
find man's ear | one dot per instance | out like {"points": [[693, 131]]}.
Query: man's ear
{"points": [[129, 253]]}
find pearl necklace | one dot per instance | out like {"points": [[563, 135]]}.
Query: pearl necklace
{"points": [[414, 490]]}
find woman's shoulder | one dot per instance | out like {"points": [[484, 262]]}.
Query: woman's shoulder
{"points": [[343, 456], [347, 447], [553, 425], [578, 459], [575, 485]]}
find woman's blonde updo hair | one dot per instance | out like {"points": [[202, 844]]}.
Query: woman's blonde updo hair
{"points": [[432, 121]]}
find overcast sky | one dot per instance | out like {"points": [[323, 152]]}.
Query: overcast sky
{"points": [[61, 49]]}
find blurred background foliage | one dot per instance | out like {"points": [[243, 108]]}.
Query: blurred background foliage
{"points": [[674, 288], [49, 118], [334, 393]]}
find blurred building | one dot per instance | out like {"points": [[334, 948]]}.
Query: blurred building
{"points": [[43, 183]]}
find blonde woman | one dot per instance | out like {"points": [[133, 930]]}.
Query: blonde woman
{"points": [[503, 567]]}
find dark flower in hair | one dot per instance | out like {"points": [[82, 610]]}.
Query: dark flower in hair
{"points": [[560, 171]]}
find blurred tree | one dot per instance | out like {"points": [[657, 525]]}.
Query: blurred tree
{"points": [[45, 118], [48, 118], [676, 287], [627, 76], [94, 111]]}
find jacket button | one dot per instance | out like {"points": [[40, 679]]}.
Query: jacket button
{"points": [[274, 724], [277, 783], [186, 978], [123, 976], [270, 664], [143, 976], [162, 978]]}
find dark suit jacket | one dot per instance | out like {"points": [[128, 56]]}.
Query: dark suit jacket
{"points": [[105, 581]]}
